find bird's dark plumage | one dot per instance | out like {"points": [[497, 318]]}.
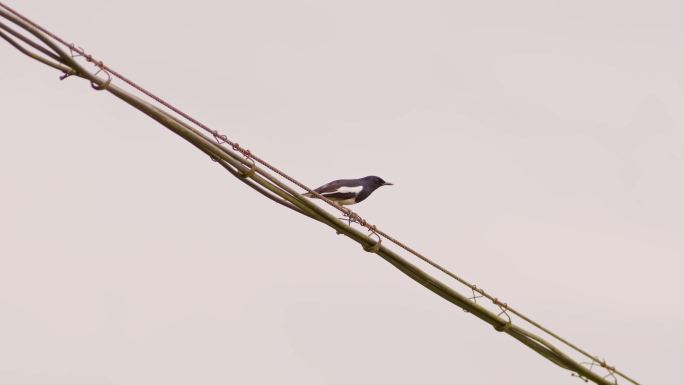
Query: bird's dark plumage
{"points": [[349, 191]]}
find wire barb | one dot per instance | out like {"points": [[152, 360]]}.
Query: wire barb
{"points": [[105, 84], [67, 74], [374, 248], [610, 369], [78, 51], [504, 311], [220, 139], [475, 296], [249, 173], [597, 362]]}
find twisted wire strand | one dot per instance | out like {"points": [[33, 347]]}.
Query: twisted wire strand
{"points": [[353, 216]]}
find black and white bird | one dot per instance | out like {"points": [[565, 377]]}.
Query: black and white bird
{"points": [[349, 191]]}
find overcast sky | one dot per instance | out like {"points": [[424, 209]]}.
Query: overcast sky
{"points": [[536, 148]]}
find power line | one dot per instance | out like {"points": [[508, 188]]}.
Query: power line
{"points": [[351, 215]]}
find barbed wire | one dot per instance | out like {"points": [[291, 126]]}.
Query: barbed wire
{"points": [[351, 216]]}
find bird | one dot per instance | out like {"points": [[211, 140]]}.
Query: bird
{"points": [[349, 191]]}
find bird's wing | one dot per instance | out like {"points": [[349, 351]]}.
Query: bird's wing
{"points": [[337, 185], [339, 196], [338, 190]]}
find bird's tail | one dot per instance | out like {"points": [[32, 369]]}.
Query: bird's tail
{"points": [[308, 195]]}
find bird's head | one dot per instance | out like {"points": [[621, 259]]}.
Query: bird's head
{"points": [[377, 181]]}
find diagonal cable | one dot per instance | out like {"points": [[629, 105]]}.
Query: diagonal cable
{"points": [[220, 138]]}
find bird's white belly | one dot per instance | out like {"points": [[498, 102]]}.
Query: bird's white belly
{"points": [[349, 201]]}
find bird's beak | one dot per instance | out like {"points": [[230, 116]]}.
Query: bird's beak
{"points": [[388, 184]]}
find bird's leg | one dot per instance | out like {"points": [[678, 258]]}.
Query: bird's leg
{"points": [[345, 212], [347, 218]]}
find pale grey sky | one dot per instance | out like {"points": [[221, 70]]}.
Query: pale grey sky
{"points": [[536, 147]]}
